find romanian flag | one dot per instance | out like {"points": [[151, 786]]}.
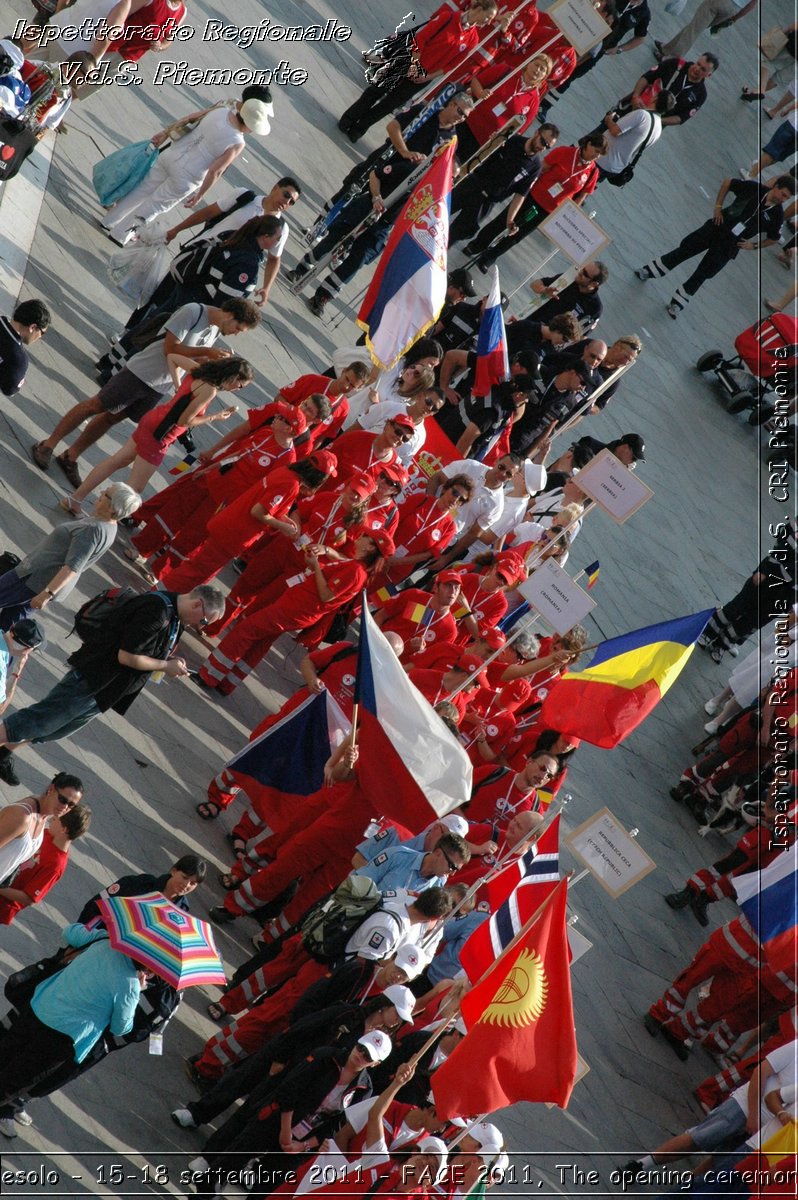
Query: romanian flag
{"points": [[521, 1042], [592, 573], [412, 766], [419, 614], [408, 288], [626, 679], [184, 465], [385, 593], [492, 365]]}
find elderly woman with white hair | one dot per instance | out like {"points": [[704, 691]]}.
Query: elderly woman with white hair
{"points": [[52, 569]]}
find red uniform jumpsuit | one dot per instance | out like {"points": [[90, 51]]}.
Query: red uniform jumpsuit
{"points": [[487, 608], [354, 452], [411, 615], [421, 529]]}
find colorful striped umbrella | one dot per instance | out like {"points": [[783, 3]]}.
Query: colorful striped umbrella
{"points": [[178, 947]]}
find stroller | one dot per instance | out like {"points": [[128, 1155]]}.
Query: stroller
{"points": [[763, 371]]}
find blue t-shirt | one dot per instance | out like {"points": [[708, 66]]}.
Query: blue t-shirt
{"points": [[456, 932], [399, 867]]}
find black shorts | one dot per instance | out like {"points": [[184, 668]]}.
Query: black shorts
{"points": [[125, 392]]}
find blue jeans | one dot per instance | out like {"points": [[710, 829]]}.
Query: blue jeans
{"points": [[66, 708]]}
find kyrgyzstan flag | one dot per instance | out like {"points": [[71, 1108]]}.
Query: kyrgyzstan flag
{"points": [[521, 1042], [408, 288], [408, 761], [492, 365]]}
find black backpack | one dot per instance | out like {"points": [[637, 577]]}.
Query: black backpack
{"points": [[330, 923], [96, 612]]}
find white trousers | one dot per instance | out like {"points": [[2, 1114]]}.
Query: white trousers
{"points": [[159, 191]]}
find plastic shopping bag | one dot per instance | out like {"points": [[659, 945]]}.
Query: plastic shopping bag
{"points": [[137, 270], [118, 173]]}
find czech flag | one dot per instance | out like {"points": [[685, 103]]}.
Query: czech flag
{"points": [[626, 679], [769, 899], [408, 289], [408, 761], [493, 365]]}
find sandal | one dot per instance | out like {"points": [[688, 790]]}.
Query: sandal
{"points": [[238, 844], [208, 810], [217, 1013], [71, 506], [228, 881]]}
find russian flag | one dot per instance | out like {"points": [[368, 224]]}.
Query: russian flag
{"points": [[493, 365], [408, 288], [769, 899], [286, 762], [408, 760]]}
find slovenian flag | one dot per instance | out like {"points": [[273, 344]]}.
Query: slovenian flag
{"points": [[769, 899], [408, 761], [408, 288], [626, 679], [493, 365]]}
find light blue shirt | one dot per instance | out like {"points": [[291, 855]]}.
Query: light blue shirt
{"points": [[456, 932], [388, 838], [399, 867], [5, 660], [98, 990]]}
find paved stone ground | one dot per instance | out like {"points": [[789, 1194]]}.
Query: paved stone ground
{"points": [[692, 545]]}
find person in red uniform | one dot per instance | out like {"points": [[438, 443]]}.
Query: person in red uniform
{"points": [[34, 879], [438, 45], [262, 508], [336, 392], [436, 685], [444, 654], [547, 38], [421, 617], [390, 479], [715, 1088], [489, 844], [482, 600], [498, 793], [358, 451], [176, 517], [490, 722], [499, 102], [330, 522], [528, 741], [568, 173], [425, 526], [328, 589]]}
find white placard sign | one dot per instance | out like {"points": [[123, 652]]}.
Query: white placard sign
{"points": [[607, 850], [613, 486], [575, 233], [580, 23], [579, 944], [552, 592]]}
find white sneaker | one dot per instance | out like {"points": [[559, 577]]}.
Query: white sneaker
{"points": [[7, 1127], [23, 1117], [712, 705], [183, 1118], [199, 1165], [734, 651], [711, 727]]}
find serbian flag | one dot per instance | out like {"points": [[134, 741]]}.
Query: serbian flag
{"points": [[626, 679], [493, 365], [285, 764], [769, 899], [408, 288], [521, 1042], [409, 763]]}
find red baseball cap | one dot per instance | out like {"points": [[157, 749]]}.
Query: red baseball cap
{"points": [[382, 540], [511, 567], [403, 420], [494, 638], [449, 576], [395, 472], [362, 484], [515, 693], [470, 663], [293, 415], [325, 461]]}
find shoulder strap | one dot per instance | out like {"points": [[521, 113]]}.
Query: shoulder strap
{"points": [[636, 158]]}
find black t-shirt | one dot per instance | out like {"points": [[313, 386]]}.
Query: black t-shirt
{"points": [[749, 211], [671, 76], [526, 335], [509, 170], [13, 359], [424, 140], [586, 307], [458, 323], [629, 16], [145, 624]]}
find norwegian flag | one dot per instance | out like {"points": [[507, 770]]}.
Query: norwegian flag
{"points": [[519, 891]]}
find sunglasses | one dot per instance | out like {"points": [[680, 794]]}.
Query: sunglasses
{"points": [[203, 621], [433, 402], [67, 801], [290, 197], [458, 497], [404, 435], [507, 472], [453, 866], [461, 112], [392, 483], [547, 145]]}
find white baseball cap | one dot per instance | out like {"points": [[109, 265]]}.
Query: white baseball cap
{"points": [[455, 824], [255, 115], [437, 1146], [535, 477], [402, 999], [408, 959], [378, 1045]]}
